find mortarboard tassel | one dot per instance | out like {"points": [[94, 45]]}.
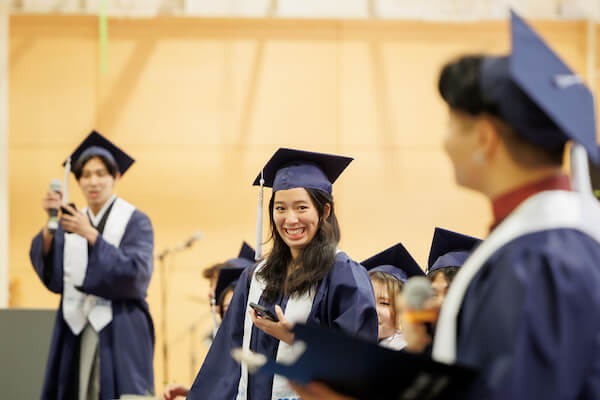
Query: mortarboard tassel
{"points": [[580, 173], [259, 218], [66, 185]]}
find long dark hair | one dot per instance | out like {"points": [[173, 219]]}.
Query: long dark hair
{"points": [[315, 259]]}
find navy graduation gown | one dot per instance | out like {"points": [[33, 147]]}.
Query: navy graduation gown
{"points": [[126, 345], [344, 301], [543, 291]]}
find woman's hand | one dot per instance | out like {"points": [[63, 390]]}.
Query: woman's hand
{"points": [[79, 223], [317, 391], [281, 330], [173, 390]]}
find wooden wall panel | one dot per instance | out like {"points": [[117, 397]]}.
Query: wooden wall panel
{"points": [[202, 103]]}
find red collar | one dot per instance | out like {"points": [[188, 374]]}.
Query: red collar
{"points": [[504, 204]]}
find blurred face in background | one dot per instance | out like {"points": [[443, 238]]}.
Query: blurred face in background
{"points": [[386, 313], [96, 183]]}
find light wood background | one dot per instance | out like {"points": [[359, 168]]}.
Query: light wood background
{"points": [[201, 104]]}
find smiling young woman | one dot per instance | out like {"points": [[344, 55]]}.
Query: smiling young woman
{"points": [[304, 278]]}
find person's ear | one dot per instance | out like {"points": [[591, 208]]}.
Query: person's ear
{"points": [[326, 210], [117, 178], [488, 140]]}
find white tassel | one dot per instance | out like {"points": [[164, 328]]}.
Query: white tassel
{"points": [[66, 185], [580, 172], [259, 219]]}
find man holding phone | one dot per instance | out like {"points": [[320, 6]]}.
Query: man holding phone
{"points": [[100, 261]]}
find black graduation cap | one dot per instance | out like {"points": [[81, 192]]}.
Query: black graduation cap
{"points": [[366, 371], [449, 249], [227, 276], [534, 90], [289, 168], [245, 257], [395, 261], [96, 144]]}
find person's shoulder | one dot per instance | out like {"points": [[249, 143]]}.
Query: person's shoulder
{"points": [[560, 244], [343, 264], [140, 221], [564, 253]]}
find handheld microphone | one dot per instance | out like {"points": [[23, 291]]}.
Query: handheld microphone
{"points": [[417, 292], [55, 186]]}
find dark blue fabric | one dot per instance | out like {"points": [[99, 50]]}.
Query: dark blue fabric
{"points": [[127, 344], [291, 168], [529, 320], [96, 144], [396, 261], [538, 94], [449, 249], [344, 300]]}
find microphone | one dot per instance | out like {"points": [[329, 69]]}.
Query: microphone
{"points": [[181, 246], [417, 293], [188, 243], [55, 186]]}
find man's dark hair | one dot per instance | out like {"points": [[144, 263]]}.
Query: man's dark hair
{"points": [[110, 165], [460, 87]]}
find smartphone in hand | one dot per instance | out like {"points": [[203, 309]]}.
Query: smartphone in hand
{"points": [[263, 312], [65, 211]]}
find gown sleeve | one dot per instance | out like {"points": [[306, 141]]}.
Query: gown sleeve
{"points": [[49, 268], [219, 375], [350, 302]]}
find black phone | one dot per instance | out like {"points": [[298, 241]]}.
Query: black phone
{"points": [[65, 211], [263, 312]]}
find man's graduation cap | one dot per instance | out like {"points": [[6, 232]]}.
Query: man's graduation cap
{"points": [[97, 145], [534, 90]]}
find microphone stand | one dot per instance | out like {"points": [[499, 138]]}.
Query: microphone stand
{"points": [[163, 306], [164, 290]]}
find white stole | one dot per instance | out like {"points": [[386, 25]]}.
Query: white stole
{"points": [[543, 211], [296, 311], [79, 307]]}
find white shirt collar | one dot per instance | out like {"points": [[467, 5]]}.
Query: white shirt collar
{"points": [[97, 218]]}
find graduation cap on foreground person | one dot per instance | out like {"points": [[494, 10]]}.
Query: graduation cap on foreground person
{"points": [[363, 370], [538, 94], [395, 261], [449, 249], [289, 169]]}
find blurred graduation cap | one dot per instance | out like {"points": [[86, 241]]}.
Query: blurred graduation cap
{"points": [[228, 276], [245, 257], [449, 249], [534, 90], [364, 370], [289, 169], [395, 261], [97, 145]]}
